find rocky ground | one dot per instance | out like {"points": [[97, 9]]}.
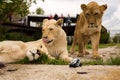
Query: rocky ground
{"points": [[60, 72], [64, 72], [106, 53]]}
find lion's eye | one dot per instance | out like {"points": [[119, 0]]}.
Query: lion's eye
{"points": [[41, 46], [51, 29], [96, 14], [87, 14]]}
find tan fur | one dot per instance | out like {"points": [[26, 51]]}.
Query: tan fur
{"points": [[36, 45], [54, 39], [88, 27], [12, 51]]}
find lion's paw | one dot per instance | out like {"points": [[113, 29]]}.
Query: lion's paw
{"points": [[80, 55], [97, 56]]}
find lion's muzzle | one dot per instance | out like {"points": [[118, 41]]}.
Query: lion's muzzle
{"points": [[45, 40], [92, 25]]}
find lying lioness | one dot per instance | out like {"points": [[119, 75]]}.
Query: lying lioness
{"points": [[88, 27], [12, 51]]}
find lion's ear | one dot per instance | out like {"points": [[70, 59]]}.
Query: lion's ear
{"points": [[59, 21], [83, 7], [45, 20], [103, 7]]}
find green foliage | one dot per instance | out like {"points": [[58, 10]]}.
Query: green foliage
{"points": [[118, 45], [3, 30], [43, 60], [94, 62], [104, 38], [19, 36], [6, 35], [116, 38], [114, 61], [10, 7], [39, 11], [37, 35], [106, 45], [89, 46], [7, 9], [111, 61], [40, 60]]}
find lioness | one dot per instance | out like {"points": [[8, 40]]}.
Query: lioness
{"points": [[35, 49], [54, 38], [88, 27], [12, 51]]}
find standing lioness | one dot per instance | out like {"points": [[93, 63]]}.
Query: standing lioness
{"points": [[88, 27], [54, 38]]}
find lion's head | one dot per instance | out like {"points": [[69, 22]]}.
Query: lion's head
{"points": [[93, 13], [51, 30], [36, 52]]}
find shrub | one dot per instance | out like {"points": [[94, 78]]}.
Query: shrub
{"points": [[104, 38], [3, 31], [21, 35], [116, 38], [18, 36]]}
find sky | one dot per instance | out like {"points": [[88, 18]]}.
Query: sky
{"points": [[111, 17]]}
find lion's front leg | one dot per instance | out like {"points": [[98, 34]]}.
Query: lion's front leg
{"points": [[72, 49], [50, 56], [95, 45], [81, 48], [64, 56], [74, 43]]}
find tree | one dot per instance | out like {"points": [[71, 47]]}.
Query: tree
{"points": [[105, 35], [116, 38], [9, 7], [39, 11]]}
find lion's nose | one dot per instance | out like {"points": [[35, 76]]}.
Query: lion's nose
{"points": [[91, 25], [45, 37]]}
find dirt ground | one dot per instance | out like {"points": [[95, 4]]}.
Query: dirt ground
{"points": [[106, 53], [64, 72], [60, 72]]}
